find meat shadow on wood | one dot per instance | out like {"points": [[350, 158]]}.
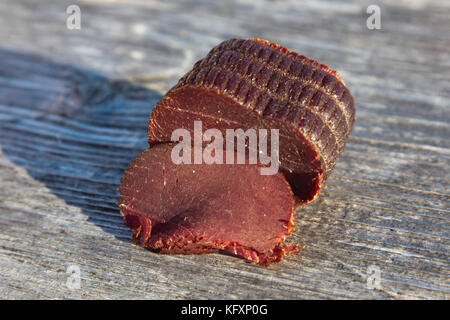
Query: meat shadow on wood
{"points": [[74, 130]]}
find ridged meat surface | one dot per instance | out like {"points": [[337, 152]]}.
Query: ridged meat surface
{"points": [[252, 83]]}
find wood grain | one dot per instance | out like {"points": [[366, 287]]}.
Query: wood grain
{"points": [[74, 106]]}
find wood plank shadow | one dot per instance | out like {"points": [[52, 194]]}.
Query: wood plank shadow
{"points": [[72, 129]]}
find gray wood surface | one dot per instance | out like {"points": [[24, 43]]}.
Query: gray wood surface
{"points": [[73, 112]]}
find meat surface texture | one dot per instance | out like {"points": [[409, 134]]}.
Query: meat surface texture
{"points": [[189, 208], [252, 83], [198, 208]]}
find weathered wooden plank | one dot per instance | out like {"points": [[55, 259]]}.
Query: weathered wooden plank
{"points": [[69, 127]]}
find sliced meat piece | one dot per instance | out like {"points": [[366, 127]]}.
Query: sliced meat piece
{"points": [[251, 83], [199, 208]]}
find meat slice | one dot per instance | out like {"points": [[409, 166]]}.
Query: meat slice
{"points": [[199, 208], [252, 83]]}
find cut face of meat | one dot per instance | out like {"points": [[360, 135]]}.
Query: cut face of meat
{"points": [[198, 208], [301, 162]]}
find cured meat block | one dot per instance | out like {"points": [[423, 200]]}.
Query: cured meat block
{"points": [[245, 85], [252, 83], [192, 208]]}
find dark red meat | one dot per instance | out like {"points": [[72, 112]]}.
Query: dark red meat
{"points": [[191, 208], [240, 84], [256, 84]]}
